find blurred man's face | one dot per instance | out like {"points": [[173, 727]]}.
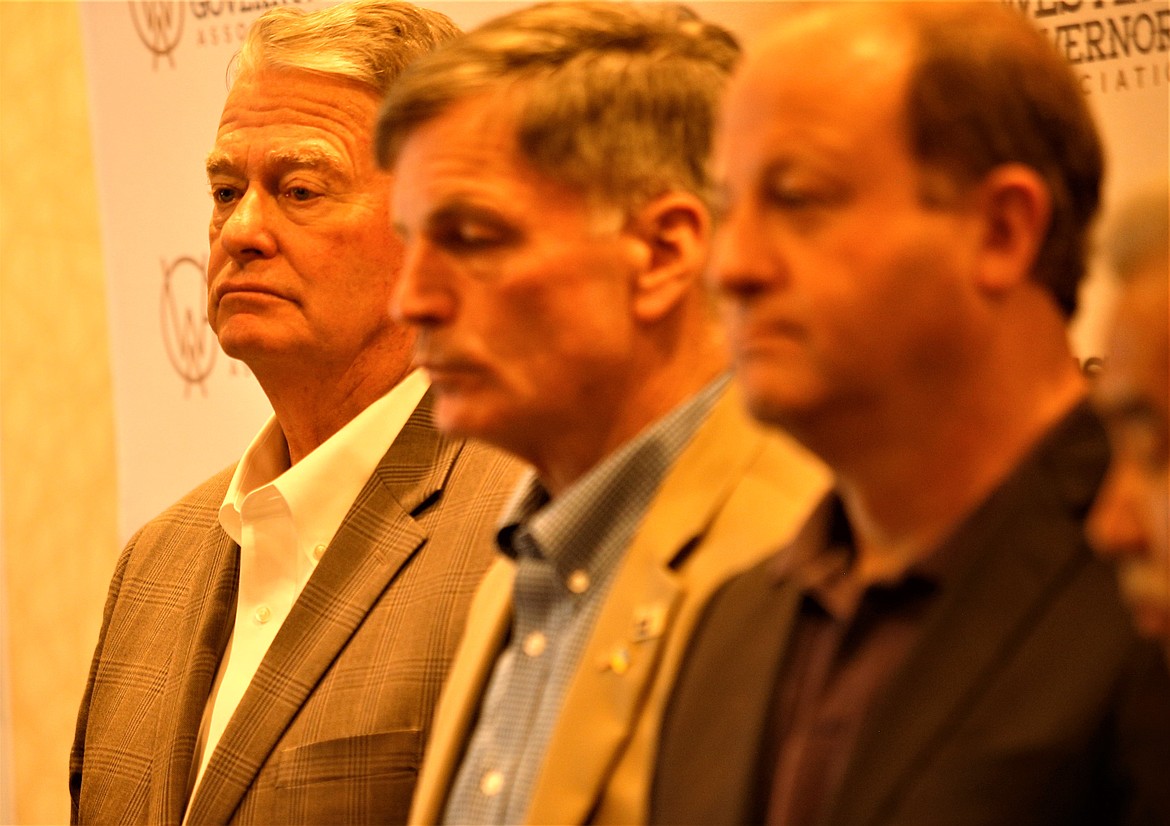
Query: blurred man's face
{"points": [[841, 286], [302, 256], [520, 292], [1131, 520]]}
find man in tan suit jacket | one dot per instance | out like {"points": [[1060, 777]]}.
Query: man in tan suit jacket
{"points": [[273, 645], [553, 198]]}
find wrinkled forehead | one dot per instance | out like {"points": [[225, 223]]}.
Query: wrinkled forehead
{"points": [[1137, 366]]}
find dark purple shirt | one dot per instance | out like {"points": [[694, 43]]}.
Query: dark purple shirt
{"points": [[849, 638]]}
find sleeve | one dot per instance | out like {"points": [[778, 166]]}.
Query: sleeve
{"points": [[77, 752]]}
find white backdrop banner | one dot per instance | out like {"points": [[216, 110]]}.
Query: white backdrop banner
{"points": [[1120, 50], [157, 74]]}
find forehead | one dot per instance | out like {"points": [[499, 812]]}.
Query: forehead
{"points": [[1138, 363], [468, 152], [271, 110], [835, 75]]}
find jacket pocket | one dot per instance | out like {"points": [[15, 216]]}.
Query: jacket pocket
{"points": [[364, 756]]}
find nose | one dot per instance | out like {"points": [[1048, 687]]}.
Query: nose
{"points": [[1117, 526], [743, 259], [246, 233], [423, 294]]}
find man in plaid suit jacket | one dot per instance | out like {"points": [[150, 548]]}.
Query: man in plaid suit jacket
{"points": [[274, 643]]}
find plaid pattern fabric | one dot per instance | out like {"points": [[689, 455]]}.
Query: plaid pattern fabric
{"points": [[331, 729], [566, 552]]}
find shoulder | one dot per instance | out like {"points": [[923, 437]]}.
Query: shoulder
{"points": [[486, 468], [198, 508], [178, 530]]}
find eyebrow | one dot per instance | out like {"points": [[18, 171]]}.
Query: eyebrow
{"points": [[301, 157]]}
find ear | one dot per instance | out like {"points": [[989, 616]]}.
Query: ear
{"points": [[1016, 208], [675, 230]]}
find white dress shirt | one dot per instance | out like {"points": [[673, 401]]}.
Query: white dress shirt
{"points": [[283, 518]]}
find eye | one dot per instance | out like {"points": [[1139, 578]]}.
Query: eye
{"points": [[299, 193], [1141, 438], [223, 194], [791, 197], [471, 235], [799, 189]]}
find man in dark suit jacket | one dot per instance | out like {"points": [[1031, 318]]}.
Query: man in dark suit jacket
{"points": [[273, 644], [909, 188]]}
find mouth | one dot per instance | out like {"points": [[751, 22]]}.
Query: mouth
{"points": [[446, 367], [446, 371], [752, 336], [245, 289]]}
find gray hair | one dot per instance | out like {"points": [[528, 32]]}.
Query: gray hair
{"points": [[612, 99], [1139, 233], [367, 41]]}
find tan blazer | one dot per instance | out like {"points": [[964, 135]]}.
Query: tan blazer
{"points": [[331, 729], [735, 495]]}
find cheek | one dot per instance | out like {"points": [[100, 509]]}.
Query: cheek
{"points": [[1158, 500]]}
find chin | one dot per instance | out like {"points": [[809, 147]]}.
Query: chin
{"points": [[776, 400], [458, 415], [244, 337]]}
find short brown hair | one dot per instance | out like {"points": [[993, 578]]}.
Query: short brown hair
{"points": [[614, 99], [988, 89], [367, 41]]}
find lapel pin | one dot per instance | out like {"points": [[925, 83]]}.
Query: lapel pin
{"points": [[649, 621], [618, 661]]}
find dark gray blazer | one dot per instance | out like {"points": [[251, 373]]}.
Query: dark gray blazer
{"points": [[1028, 700]]}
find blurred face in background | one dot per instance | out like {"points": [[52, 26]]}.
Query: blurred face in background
{"points": [[1131, 519], [518, 286], [842, 286]]}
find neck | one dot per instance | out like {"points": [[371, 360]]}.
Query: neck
{"points": [[913, 469], [649, 388], [312, 406]]}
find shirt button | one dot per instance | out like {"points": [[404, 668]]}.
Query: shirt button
{"points": [[492, 783], [578, 582], [318, 552], [534, 644], [262, 614]]}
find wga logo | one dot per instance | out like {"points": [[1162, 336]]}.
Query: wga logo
{"points": [[159, 24], [189, 340]]}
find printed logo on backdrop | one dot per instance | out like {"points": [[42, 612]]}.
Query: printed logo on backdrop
{"points": [[190, 343], [159, 26], [189, 340], [1115, 46], [159, 23]]}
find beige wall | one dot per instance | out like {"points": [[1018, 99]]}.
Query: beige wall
{"points": [[56, 421]]}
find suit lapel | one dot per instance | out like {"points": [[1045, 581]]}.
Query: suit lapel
{"points": [[486, 634], [618, 667], [724, 708], [1017, 551], [206, 627], [378, 536]]}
